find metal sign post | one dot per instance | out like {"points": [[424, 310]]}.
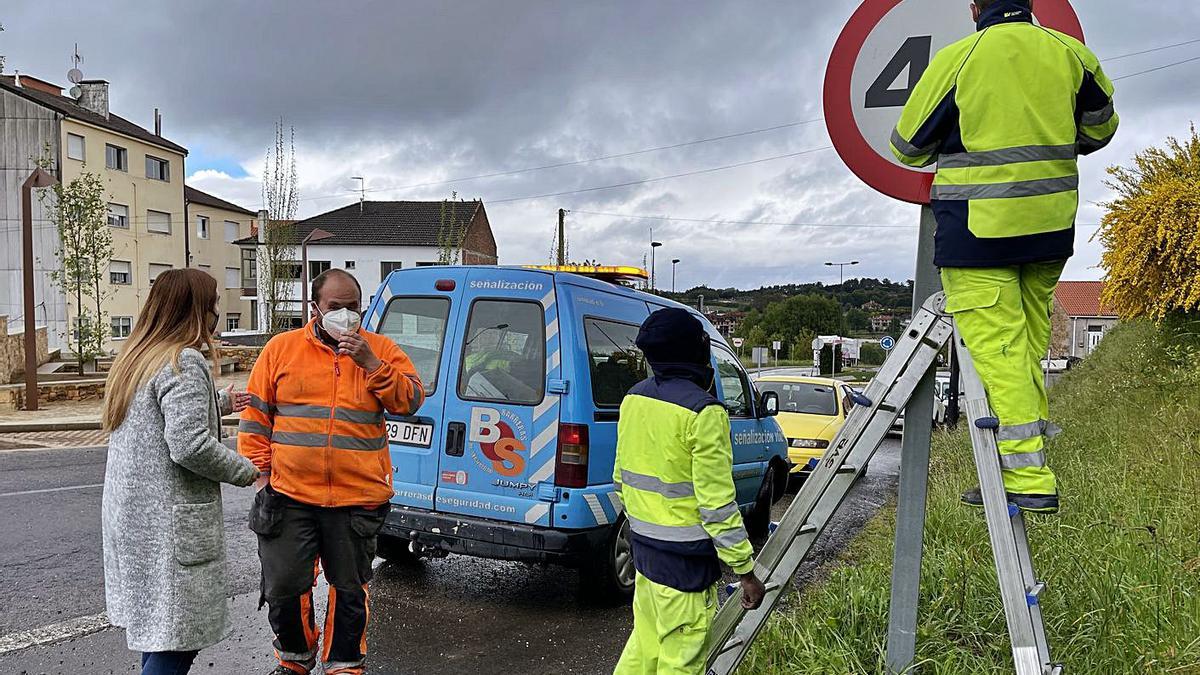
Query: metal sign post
{"points": [[880, 55]]}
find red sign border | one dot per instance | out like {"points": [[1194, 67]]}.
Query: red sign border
{"points": [[891, 179]]}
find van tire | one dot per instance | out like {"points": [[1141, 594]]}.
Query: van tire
{"points": [[395, 550], [607, 576], [758, 519]]}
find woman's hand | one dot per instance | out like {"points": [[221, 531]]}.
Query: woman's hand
{"points": [[240, 400]]}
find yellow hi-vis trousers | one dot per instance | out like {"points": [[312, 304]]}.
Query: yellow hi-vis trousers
{"points": [[1003, 315], [670, 630]]}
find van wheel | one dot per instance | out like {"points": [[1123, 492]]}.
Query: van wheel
{"points": [[395, 550], [758, 520], [609, 575]]}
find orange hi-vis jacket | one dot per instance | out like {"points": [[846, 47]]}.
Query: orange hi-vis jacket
{"points": [[315, 419]]}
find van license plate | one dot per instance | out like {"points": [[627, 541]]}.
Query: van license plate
{"points": [[407, 433]]}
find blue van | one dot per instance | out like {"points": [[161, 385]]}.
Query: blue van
{"points": [[511, 455]]}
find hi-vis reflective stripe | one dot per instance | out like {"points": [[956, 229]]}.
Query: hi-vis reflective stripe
{"points": [[356, 443], [1097, 117], [301, 439], [1024, 188], [1023, 460], [908, 148], [667, 532], [248, 427], [309, 411], [358, 416], [654, 484], [322, 412], [418, 394], [1020, 432], [259, 404], [336, 441], [1028, 153], [719, 515], [731, 538]]}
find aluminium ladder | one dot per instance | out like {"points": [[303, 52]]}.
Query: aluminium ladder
{"points": [[876, 409]]}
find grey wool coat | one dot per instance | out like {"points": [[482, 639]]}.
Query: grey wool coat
{"points": [[164, 544]]}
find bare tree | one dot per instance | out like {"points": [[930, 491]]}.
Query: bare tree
{"points": [[277, 253], [1, 55]]}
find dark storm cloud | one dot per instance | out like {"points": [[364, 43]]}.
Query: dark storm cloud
{"points": [[409, 93]]}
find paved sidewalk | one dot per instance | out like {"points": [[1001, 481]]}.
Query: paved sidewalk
{"points": [[53, 439]]}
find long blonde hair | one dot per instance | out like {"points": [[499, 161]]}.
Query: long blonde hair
{"points": [[176, 316]]}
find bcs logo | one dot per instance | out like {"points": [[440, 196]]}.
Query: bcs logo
{"points": [[501, 437]]}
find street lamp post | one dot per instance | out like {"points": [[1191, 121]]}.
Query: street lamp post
{"points": [[38, 179], [316, 235], [653, 281], [841, 269], [674, 262]]}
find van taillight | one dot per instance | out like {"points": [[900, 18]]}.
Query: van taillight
{"points": [[444, 284], [571, 463]]}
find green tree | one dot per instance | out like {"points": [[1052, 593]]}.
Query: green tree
{"points": [[451, 232], [858, 320], [79, 211]]}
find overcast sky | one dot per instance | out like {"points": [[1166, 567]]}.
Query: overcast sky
{"points": [[412, 93]]}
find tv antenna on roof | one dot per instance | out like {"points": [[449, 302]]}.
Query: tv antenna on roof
{"points": [[362, 191], [75, 75]]}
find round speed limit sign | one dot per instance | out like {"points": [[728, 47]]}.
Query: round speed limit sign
{"points": [[877, 60]]}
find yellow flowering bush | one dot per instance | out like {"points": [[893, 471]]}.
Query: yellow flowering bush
{"points": [[1150, 232]]}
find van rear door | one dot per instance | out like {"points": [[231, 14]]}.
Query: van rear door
{"points": [[502, 400], [417, 309]]}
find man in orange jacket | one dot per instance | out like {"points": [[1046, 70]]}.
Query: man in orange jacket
{"points": [[316, 425]]}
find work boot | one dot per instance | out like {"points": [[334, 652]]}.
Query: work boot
{"points": [[284, 670], [1029, 503]]}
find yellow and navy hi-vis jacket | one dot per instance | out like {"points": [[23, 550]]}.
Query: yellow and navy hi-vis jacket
{"points": [[674, 473], [1004, 113]]}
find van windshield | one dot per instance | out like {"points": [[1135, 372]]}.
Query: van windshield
{"points": [[418, 326], [803, 397]]}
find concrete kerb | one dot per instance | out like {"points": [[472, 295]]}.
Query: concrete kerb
{"points": [[78, 425]]}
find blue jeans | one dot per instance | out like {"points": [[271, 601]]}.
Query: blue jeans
{"points": [[167, 663]]}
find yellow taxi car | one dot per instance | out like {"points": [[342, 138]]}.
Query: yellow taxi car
{"points": [[811, 412]]}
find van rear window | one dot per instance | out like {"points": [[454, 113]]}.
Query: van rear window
{"points": [[418, 326], [504, 353], [615, 362]]}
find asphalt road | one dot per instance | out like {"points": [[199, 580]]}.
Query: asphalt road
{"points": [[451, 615]]}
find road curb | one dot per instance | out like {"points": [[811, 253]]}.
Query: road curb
{"points": [[84, 425]]}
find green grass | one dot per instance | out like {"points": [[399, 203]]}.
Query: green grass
{"points": [[1122, 559]]}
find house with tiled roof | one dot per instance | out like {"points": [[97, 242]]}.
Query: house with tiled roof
{"points": [[369, 239], [1080, 320]]}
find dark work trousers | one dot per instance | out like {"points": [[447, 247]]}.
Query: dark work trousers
{"points": [[167, 663], [292, 539]]}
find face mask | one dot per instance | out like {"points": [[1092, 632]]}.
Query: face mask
{"points": [[216, 318], [340, 321]]}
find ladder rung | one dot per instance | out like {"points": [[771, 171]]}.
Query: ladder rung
{"points": [[733, 643], [847, 468], [1053, 669], [1013, 510], [807, 528], [1034, 592]]}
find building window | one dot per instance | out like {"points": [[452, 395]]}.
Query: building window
{"points": [[386, 268], [232, 232], [316, 267], [253, 315], [118, 216], [122, 326], [288, 270], [349, 265], [157, 269], [158, 221], [116, 158], [120, 273], [233, 277], [207, 269], [75, 148], [249, 268], [158, 169], [428, 264], [202, 227], [233, 321]]}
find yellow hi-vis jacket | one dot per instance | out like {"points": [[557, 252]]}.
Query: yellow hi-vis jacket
{"points": [[1004, 113], [674, 473]]}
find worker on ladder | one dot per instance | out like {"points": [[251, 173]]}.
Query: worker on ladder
{"points": [[1005, 113], [674, 473]]}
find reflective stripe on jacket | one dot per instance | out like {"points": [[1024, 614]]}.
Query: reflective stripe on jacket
{"points": [[316, 420], [674, 472], [1004, 113]]}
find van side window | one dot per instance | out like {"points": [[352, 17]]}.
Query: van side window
{"points": [[504, 353], [418, 326], [734, 386], [615, 362]]}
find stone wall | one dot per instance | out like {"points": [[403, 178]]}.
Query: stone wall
{"points": [[12, 397], [12, 350], [244, 357]]}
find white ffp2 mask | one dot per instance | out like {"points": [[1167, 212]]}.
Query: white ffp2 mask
{"points": [[340, 321]]}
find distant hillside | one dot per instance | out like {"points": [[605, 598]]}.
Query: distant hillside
{"points": [[890, 295]]}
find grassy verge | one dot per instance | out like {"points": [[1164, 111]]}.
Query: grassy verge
{"points": [[1122, 560]]}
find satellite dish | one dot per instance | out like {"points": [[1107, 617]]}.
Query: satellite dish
{"points": [[75, 75], [76, 92]]}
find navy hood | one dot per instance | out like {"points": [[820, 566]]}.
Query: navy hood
{"points": [[1005, 11], [677, 346]]}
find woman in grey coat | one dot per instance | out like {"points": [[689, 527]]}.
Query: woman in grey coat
{"points": [[164, 544]]}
